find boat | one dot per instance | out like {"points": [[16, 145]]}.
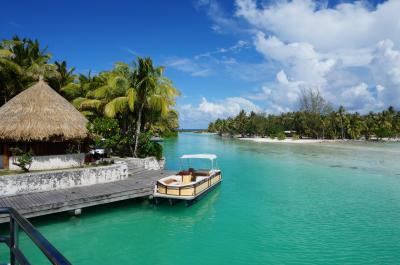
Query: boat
{"points": [[189, 184]]}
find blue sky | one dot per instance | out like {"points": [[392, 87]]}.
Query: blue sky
{"points": [[229, 55]]}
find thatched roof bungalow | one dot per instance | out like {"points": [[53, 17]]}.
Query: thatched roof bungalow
{"points": [[41, 120]]}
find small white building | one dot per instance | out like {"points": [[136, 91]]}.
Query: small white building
{"points": [[289, 133]]}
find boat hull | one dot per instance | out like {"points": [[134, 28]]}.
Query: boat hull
{"points": [[193, 201]]}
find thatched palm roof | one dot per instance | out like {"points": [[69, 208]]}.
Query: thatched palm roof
{"points": [[40, 114]]}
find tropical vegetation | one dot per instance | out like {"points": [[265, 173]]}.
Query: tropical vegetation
{"points": [[316, 118], [125, 105]]}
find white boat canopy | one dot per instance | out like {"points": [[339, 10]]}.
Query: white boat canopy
{"points": [[200, 156]]}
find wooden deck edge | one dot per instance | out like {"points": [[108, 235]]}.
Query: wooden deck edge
{"points": [[80, 205], [40, 204]]}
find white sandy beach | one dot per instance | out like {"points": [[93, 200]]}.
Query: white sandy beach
{"points": [[288, 140], [312, 141]]}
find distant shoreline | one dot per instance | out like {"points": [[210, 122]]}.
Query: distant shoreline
{"points": [[288, 140], [311, 141]]}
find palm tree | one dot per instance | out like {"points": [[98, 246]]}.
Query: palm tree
{"points": [[369, 125], [8, 71], [384, 124], [164, 125], [341, 111], [240, 123], [355, 127], [131, 91], [62, 77], [22, 62], [80, 91], [153, 91]]}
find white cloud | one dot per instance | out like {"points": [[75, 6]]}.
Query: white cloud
{"points": [[385, 67], [221, 61], [281, 95], [360, 98], [347, 26], [240, 45], [300, 60], [189, 66], [348, 52], [223, 23], [228, 107], [206, 111]]}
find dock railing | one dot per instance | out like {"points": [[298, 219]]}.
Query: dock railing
{"points": [[19, 223]]}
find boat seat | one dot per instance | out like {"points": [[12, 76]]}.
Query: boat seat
{"points": [[169, 181], [186, 179]]}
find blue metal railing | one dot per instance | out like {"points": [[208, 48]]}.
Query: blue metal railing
{"points": [[18, 222]]}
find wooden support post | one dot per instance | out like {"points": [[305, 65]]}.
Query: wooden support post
{"points": [[6, 156]]}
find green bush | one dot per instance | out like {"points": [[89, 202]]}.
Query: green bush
{"points": [[295, 137], [149, 148], [170, 134], [22, 159], [105, 131], [281, 136]]}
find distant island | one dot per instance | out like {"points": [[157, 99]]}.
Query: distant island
{"points": [[192, 130], [316, 119]]}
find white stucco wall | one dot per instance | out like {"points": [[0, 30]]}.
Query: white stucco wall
{"points": [[61, 179], [53, 162], [149, 163]]}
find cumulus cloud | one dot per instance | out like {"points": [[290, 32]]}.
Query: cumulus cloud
{"points": [[360, 98], [300, 59], [385, 67], [206, 111], [348, 52], [281, 95], [346, 26]]}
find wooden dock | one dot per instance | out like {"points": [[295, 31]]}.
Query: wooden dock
{"points": [[139, 184]]}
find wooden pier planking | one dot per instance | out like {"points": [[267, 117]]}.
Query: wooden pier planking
{"points": [[139, 184]]}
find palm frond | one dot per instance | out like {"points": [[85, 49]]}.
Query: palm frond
{"points": [[159, 103], [77, 102], [88, 114], [8, 65], [5, 53], [116, 106], [72, 90], [89, 104], [101, 92], [131, 95]]}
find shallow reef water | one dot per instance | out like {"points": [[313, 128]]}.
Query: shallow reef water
{"points": [[278, 204]]}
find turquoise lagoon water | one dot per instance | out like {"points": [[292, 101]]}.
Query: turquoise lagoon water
{"points": [[278, 204]]}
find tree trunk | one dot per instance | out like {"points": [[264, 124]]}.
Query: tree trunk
{"points": [[6, 156], [125, 124], [138, 125]]}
